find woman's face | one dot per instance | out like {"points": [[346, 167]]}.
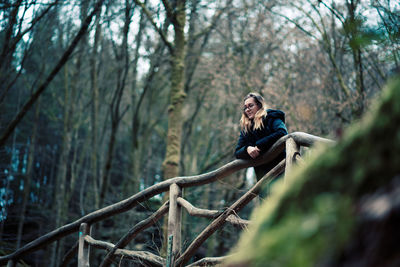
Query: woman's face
{"points": [[250, 108]]}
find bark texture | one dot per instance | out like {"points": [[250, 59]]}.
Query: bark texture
{"points": [[177, 96]]}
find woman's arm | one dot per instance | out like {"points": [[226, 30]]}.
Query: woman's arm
{"points": [[278, 130], [241, 147]]}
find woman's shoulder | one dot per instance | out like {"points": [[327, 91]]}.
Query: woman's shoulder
{"points": [[275, 114]]}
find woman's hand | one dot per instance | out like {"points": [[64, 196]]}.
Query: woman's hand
{"points": [[253, 151]]}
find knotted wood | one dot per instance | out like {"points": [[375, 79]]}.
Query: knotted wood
{"points": [[292, 150]]}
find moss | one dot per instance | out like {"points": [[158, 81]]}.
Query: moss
{"points": [[178, 97], [311, 219]]}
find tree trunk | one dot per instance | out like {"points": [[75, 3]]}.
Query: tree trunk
{"points": [[95, 112], [177, 95], [61, 194], [116, 114], [135, 120], [354, 32], [28, 177], [60, 181], [107, 165]]}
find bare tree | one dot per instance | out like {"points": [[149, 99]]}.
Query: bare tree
{"points": [[122, 59], [12, 38], [21, 114]]}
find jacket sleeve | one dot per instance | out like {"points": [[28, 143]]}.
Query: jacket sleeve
{"points": [[278, 130], [241, 147]]}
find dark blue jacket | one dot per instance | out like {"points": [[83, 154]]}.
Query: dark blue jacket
{"points": [[274, 128]]}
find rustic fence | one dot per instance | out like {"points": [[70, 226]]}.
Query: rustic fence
{"points": [[175, 255]]}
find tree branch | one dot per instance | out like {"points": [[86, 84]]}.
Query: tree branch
{"points": [[33, 22], [149, 221], [214, 21], [154, 260], [72, 252], [193, 211], [294, 22], [334, 11], [169, 10], [158, 29]]}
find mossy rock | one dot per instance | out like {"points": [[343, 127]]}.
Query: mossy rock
{"points": [[341, 208]]}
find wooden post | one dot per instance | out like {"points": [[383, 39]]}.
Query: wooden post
{"points": [[169, 251], [292, 149], [84, 249], [174, 220]]}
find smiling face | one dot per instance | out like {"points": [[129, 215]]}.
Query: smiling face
{"points": [[250, 108]]}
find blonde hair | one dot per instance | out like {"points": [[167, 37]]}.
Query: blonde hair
{"points": [[257, 123]]}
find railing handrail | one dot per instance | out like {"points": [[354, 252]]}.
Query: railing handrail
{"points": [[300, 138]]}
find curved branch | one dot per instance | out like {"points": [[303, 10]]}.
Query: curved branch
{"points": [[193, 211], [305, 139], [294, 22], [71, 253], [154, 260], [308, 15], [335, 12]]}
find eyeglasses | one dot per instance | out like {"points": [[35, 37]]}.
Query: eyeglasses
{"points": [[250, 106]]}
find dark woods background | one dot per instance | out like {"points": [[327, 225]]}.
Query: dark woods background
{"points": [[98, 132]]}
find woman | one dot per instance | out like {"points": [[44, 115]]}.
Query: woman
{"points": [[260, 129]]}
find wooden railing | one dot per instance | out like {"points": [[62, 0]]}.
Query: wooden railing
{"points": [[175, 257]]}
